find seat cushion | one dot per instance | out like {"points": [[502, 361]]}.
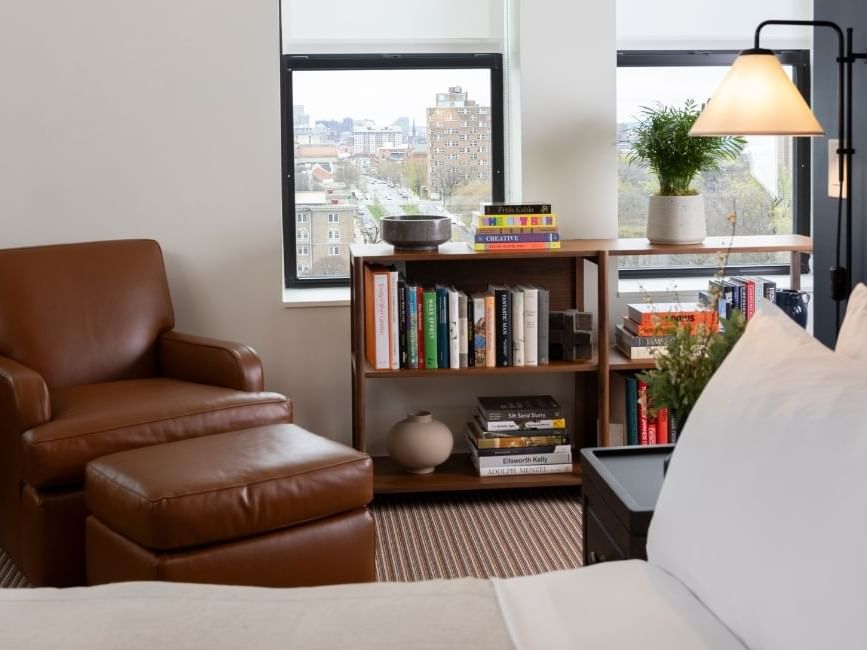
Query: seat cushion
{"points": [[227, 486], [98, 419]]}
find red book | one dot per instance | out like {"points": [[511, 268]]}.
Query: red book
{"points": [[419, 299], [662, 426], [651, 430], [642, 413]]}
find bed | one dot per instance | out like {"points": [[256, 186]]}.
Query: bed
{"points": [[770, 464]]}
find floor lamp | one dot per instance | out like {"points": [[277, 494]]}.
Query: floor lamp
{"points": [[756, 97]]}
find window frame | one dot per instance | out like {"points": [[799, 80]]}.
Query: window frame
{"points": [[323, 62], [799, 60]]}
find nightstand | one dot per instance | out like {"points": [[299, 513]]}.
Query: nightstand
{"points": [[620, 489]]}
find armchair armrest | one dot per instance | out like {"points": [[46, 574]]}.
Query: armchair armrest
{"points": [[23, 396], [210, 361]]}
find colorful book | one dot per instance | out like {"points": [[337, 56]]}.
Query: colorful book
{"points": [[403, 358], [503, 325], [431, 327], [662, 418], [490, 330], [411, 326], [520, 407], [631, 410], [419, 299], [528, 207], [511, 451], [490, 238], [517, 327], [642, 413], [515, 230], [376, 323], [471, 332], [480, 333], [463, 344], [517, 246], [542, 320], [393, 320], [442, 340]]}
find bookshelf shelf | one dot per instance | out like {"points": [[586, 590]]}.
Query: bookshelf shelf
{"points": [[561, 272], [458, 474]]}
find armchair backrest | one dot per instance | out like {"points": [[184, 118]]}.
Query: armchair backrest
{"points": [[84, 313]]}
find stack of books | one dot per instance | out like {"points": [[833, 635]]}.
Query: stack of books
{"points": [[641, 427], [649, 327], [410, 326], [519, 435], [515, 226], [739, 293]]}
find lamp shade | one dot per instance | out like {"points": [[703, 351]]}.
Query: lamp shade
{"points": [[756, 97]]}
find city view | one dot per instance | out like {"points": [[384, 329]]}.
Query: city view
{"points": [[392, 143]]}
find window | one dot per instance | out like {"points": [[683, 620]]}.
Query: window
{"points": [[303, 251], [372, 153], [302, 234], [768, 187]]}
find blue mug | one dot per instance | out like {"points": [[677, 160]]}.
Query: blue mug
{"points": [[794, 303]]}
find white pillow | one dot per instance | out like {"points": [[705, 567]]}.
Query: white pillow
{"points": [[852, 339], [763, 513]]}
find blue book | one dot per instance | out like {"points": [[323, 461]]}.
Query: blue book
{"points": [[411, 326], [631, 410], [442, 327]]}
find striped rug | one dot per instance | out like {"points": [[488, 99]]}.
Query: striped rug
{"points": [[500, 533]]}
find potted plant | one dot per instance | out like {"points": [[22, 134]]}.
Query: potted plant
{"points": [[661, 141]]}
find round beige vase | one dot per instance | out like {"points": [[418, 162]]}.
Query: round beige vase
{"points": [[420, 443], [676, 220]]}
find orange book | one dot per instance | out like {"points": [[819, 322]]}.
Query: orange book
{"points": [[662, 426], [377, 346], [657, 314], [490, 334]]}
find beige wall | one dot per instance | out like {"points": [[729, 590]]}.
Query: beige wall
{"points": [[161, 119]]}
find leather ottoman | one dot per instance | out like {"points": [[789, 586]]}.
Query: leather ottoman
{"points": [[273, 506]]}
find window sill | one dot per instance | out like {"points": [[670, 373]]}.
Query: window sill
{"points": [[316, 297]]}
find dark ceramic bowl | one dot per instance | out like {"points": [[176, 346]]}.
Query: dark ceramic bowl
{"points": [[416, 232]]}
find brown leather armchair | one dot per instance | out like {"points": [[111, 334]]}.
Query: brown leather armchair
{"points": [[89, 365]]}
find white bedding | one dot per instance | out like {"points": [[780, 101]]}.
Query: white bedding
{"points": [[622, 605]]}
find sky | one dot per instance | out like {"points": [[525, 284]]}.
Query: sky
{"points": [[382, 95]]}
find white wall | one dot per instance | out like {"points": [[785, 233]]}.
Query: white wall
{"points": [[161, 119]]}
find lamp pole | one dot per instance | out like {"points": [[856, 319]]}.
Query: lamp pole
{"points": [[841, 276]]}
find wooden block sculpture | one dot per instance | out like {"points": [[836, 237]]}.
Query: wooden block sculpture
{"points": [[570, 335]]}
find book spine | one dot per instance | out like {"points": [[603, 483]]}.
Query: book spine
{"points": [[518, 442], [642, 413], [662, 319], [393, 320], [517, 246], [664, 328], [488, 238], [524, 425], [490, 331], [429, 307], [471, 331], [559, 468], [751, 297], [631, 341], [771, 290], [480, 333], [517, 208], [512, 451], [531, 326], [411, 327], [517, 327], [515, 230], [503, 299], [381, 321], [463, 350], [419, 300], [651, 430], [662, 426], [523, 460], [403, 356], [543, 322], [631, 410], [454, 330], [442, 340]]}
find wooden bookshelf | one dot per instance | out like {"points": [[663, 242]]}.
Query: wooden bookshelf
{"points": [[560, 271]]}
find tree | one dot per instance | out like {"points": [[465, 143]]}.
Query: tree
{"points": [[345, 172], [330, 266]]}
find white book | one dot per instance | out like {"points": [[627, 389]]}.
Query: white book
{"points": [[557, 468], [517, 327], [454, 348], [463, 341], [393, 308], [531, 326], [526, 460], [380, 322]]}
